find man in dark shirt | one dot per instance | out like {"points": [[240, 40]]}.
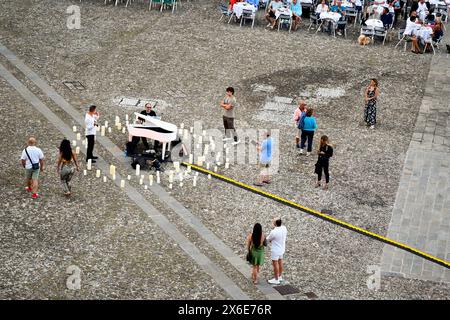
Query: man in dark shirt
{"points": [[149, 113], [386, 18]]}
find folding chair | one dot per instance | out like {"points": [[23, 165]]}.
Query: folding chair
{"points": [[368, 32], [224, 12], [380, 32], [170, 3], [314, 19], [402, 37], [341, 23], [351, 12], [285, 19], [153, 2], [248, 15]]}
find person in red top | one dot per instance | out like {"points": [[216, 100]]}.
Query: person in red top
{"points": [[232, 2]]}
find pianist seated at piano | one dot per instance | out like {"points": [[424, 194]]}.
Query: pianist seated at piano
{"points": [[148, 111]]}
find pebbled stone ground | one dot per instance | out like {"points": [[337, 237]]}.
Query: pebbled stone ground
{"points": [[135, 53]]}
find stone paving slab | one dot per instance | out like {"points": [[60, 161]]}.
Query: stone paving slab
{"points": [[421, 213]]}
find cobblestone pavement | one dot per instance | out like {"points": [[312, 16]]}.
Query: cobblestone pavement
{"points": [[421, 215], [185, 60]]}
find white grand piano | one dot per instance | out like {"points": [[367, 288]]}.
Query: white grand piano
{"points": [[154, 129]]}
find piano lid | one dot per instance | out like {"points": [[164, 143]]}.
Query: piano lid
{"points": [[166, 126]]}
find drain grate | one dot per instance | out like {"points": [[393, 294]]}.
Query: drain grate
{"points": [[311, 295], [74, 85], [286, 289]]}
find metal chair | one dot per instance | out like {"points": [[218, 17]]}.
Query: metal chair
{"points": [[224, 12], [314, 19], [248, 15], [285, 19], [341, 23], [368, 32], [402, 38], [351, 12], [380, 32]]}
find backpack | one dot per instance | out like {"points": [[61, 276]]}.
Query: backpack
{"points": [[301, 122]]}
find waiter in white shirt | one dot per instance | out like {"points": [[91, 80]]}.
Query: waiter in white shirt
{"points": [[278, 238], [91, 129]]}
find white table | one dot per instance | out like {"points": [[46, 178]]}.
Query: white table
{"points": [[330, 16], [239, 7], [347, 4], [281, 11], [424, 33], [440, 2], [374, 23]]}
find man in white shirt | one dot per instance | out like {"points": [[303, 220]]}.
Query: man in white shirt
{"points": [[422, 10], [32, 156], [90, 121], [278, 238]]}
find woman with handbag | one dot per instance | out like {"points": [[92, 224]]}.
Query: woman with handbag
{"points": [[256, 241], [65, 167], [325, 152]]}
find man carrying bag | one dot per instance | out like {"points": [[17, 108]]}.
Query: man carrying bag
{"points": [[33, 161]]}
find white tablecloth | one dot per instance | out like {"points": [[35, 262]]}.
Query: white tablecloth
{"points": [[281, 11], [424, 33], [309, 1], [330, 15], [239, 7], [436, 2], [347, 4], [374, 23]]}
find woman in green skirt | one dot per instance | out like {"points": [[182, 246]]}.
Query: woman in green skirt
{"points": [[255, 245]]}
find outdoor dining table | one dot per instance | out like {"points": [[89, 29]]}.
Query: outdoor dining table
{"points": [[239, 7], [424, 32], [334, 16], [374, 23], [283, 10]]}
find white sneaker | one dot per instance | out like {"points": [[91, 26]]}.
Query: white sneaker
{"points": [[300, 151], [280, 278], [236, 142], [372, 127], [308, 153], [269, 25], [274, 281]]}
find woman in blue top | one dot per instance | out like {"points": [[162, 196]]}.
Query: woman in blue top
{"points": [[309, 126], [296, 9]]}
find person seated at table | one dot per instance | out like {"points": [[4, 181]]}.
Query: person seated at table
{"points": [[270, 16], [430, 18], [341, 27], [322, 7], [296, 9], [357, 4], [438, 29], [337, 7], [386, 18], [410, 33]]}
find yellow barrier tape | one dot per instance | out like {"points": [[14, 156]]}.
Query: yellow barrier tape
{"points": [[322, 216]]}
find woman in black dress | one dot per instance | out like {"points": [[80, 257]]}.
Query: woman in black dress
{"points": [[325, 153], [371, 95]]}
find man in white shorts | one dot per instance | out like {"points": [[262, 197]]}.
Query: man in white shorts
{"points": [[278, 238]]}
